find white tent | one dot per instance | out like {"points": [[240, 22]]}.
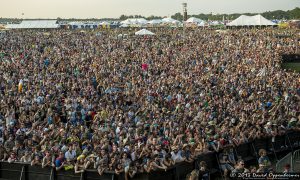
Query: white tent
{"points": [[257, 20], [104, 23], [201, 24], [134, 21], [34, 24], [176, 22], [144, 32], [155, 21], [215, 23], [124, 25], [168, 20], [194, 20]]}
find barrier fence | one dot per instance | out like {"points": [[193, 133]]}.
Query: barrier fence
{"points": [[296, 161], [291, 57], [288, 159], [276, 147]]}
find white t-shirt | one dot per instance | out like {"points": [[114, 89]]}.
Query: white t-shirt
{"points": [[70, 155], [177, 157]]}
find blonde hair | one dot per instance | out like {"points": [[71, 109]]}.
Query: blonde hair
{"points": [[261, 151], [193, 175]]}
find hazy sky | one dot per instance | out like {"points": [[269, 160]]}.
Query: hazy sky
{"points": [[114, 8]]}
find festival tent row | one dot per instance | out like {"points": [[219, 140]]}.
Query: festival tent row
{"points": [[256, 20], [134, 21], [139, 22], [155, 21], [34, 24]]}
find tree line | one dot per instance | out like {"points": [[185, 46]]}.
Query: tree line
{"points": [[278, 14]]}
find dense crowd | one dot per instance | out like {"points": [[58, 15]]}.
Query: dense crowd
{"points": [[84, 100]]}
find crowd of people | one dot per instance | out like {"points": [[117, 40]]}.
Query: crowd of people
{"points": [[84, 100]]}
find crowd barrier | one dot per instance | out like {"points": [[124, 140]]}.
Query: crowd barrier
{"points": [[276, 147], [296, 161], [288, 159], [287, 58]]}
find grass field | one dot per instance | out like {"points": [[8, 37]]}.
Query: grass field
{"points": [[292, 66]]}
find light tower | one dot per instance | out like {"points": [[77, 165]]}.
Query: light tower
{"points": [[184, 5]]}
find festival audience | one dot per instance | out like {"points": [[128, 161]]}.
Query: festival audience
{"points": [[79, 101]]}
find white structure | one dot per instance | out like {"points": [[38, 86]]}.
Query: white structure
{"points": [[138, 21], [257, 20], [201, 24], [168, 20], [194, 20], [215, 23], [84, 25], [34, 24], [124, 25], [144, 32], [155, 21], [104, 23]]}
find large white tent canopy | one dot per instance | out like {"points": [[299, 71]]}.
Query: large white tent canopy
{"points": [[34, 24], [144, 32], [134, 21], [104, 23], [168, 20], [256, 20], [202, 24], [155, 21], [194, 20], [141, 22]]}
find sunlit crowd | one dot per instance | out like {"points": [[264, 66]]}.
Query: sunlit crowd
{"points": [[132, 104]]}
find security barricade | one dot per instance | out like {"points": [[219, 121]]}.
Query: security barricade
{"points": [[294, 139], [247, 152]]}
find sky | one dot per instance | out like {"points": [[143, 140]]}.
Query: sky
{"points": [[115, 8]]}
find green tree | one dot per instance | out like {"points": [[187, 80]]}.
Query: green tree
{"points": [[177, 16]]}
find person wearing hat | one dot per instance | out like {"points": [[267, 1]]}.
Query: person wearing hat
{"points": [[79, 165], [90, 162]]}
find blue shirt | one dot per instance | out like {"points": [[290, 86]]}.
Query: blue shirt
{"points": [[58, 162]]}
